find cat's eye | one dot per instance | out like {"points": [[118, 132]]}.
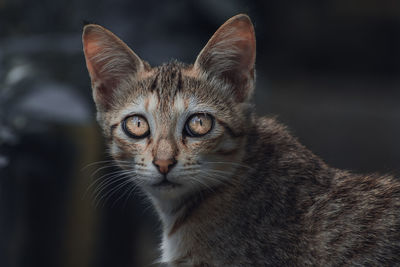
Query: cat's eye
{"points": [[198, 125], [136, 126]]}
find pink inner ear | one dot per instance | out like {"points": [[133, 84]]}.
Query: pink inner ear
{"points": [[244, 31], [91, 45], [91, 49]]}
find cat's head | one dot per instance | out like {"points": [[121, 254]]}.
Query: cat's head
{"points": [[177, 128]]}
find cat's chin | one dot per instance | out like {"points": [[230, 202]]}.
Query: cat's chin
{"points": [[166, 195], [167, 190], [165, 184]]}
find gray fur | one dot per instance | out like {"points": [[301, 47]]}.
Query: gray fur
{"points": [[250, 194]]}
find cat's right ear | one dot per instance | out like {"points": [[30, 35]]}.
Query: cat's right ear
{"points": [[110, 63]]}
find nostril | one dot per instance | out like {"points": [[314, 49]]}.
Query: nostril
{"points": [[164, 165]]}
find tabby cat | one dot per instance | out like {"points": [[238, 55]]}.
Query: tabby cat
{"points": [[232, 189]]}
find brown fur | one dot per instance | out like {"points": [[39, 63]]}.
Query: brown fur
{"points": [[247, 193]]}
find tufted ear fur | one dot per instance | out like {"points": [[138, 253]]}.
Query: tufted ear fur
{"points": [[229, 56], [110, 63]]}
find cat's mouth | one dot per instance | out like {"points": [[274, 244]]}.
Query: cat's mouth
{"points": [[165, 183]]}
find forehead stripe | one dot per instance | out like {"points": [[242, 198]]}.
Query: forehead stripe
{"points": [[178, 84], [154, 84]]}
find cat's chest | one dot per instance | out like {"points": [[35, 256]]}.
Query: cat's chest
{"points": [[190, 246], [175, 247]]}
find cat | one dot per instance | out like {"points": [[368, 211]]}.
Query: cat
{"points": [[230, 188]]}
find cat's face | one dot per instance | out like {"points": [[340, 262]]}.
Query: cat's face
{"points": [[177, 138], [176, 128]]}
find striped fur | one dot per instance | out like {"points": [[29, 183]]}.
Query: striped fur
{"points": [[247, 193]]}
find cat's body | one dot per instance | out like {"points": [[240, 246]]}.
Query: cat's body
{"points": [[232, 189], [304, 213], [296, 211]]}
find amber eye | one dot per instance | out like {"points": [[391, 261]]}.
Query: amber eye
{"points": [[136, 126], [198, 125]]}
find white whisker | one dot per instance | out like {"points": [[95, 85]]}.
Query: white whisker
{"points": [[112, 191]]}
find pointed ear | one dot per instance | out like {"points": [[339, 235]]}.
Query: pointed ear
{"points": [[110, 63], [230, 56]]}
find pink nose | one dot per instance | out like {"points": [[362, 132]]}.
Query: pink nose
{"points": [[164, 165]]}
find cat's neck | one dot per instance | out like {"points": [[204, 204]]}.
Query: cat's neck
{"points": [[176, 212], [194, 218]]}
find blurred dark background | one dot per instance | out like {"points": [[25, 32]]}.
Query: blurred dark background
{"points": [[328, 69]]}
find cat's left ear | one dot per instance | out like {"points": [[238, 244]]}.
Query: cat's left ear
{"points": [[110, 62], [229, 56]]}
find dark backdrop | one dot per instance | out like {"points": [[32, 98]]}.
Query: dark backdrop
{"points": [[328, 69]]}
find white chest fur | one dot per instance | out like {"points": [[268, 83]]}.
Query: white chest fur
{"points": [[174, 247]]}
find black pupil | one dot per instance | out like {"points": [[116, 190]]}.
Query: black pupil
{"points": [[138, 123], [201, 122]]}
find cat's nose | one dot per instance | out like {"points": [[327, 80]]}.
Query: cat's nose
{"points": [[164, 165]]}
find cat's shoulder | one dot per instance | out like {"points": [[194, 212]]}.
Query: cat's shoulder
{"points": [[269, 126], [374, 186], [269, 130], [269, 122]]}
